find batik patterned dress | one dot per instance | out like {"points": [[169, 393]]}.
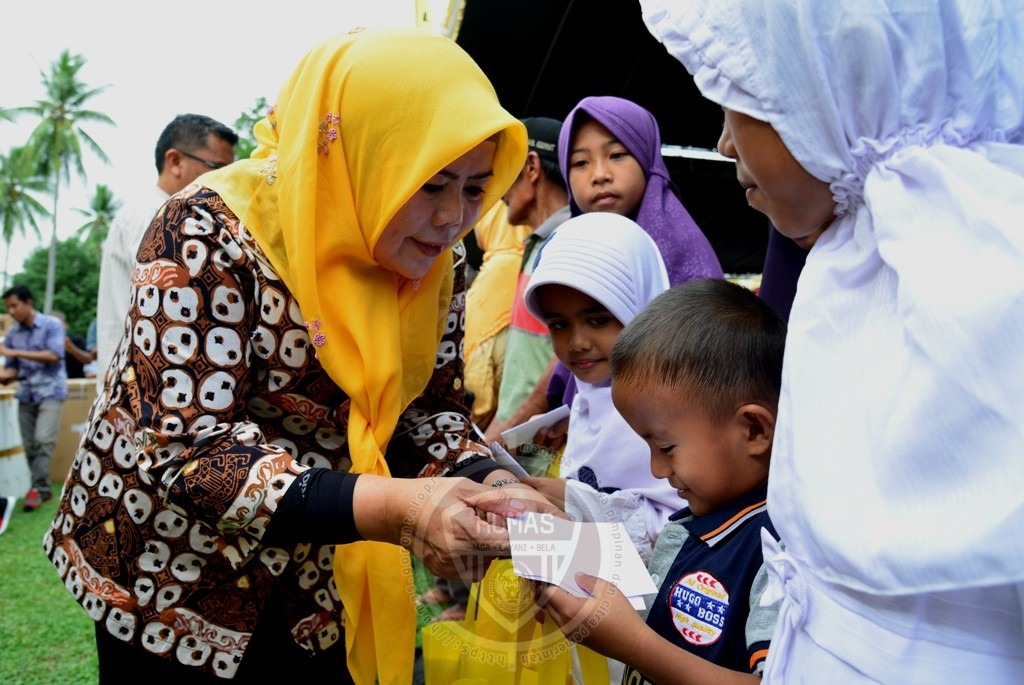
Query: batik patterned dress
{"points": [[214, 404]]}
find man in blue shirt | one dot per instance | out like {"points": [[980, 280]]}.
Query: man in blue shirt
{"points": [[34, 356]]}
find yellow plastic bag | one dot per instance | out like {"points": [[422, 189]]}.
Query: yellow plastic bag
{"points": [[499, 642]]}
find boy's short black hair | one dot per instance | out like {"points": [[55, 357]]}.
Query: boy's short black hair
{"points": [[20, 291], [717, 340]]}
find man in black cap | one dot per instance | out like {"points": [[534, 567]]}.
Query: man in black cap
{"points": [[538, 198]]}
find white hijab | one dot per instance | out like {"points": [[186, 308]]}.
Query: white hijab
{"points": [[613, 260], [898, 464]]}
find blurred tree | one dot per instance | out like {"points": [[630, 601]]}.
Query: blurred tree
{"points": [[56, 142], [243, 127], [102, 208], [19, 208], [78, 279]]}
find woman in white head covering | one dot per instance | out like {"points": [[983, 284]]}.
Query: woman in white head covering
{"points": [[888, 136]]}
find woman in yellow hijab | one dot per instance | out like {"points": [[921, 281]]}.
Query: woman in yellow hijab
{"points": [[297, 319]]}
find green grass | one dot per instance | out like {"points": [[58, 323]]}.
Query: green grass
{"points": [[45, 637]]}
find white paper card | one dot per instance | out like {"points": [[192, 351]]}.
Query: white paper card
{"points": [[524, 432], [553, 550]]}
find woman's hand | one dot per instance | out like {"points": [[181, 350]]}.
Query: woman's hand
{"points": [[436, 519], [444, 521], [606, 622], [527, 497]]}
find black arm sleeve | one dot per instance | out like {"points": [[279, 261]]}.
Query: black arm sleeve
{"points": [[318, 508], [476, 469]]}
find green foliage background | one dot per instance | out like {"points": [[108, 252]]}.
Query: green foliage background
{"points": [[76, 284]]}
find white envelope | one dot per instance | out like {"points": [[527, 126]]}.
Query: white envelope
{"points": [[553, 550]]}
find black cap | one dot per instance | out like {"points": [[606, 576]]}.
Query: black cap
{"points": [[542, 133]]}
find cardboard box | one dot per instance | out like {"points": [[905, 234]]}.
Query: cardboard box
{"points": [[81, 393]]}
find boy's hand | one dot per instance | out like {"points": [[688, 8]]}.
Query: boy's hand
{"points": [[553, 437], [552, 488], [493, 432], [606, 622]]}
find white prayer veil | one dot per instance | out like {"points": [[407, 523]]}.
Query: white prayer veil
{"points": [[898, 464]]}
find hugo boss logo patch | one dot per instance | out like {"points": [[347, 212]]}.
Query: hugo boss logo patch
{"points": [[698, 603]]}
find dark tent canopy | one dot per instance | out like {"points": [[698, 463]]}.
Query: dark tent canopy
{"points": [[543, 56]]}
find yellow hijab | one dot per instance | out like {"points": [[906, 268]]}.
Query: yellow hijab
{"points": [[364, 121]]}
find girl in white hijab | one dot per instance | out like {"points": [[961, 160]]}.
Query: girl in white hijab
{"points": [[888, 135], [614, 268], [598, 271]]}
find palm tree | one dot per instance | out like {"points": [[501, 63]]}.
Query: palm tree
{"points": [[18, 206], [56, 142], [102, 208]]}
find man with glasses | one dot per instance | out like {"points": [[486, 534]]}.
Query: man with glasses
{"points": [[189, 146]]}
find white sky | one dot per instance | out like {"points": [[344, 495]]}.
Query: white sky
{"points": [[150, 57]]}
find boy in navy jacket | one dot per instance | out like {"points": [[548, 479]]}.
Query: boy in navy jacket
{"points": [[697, 375]]}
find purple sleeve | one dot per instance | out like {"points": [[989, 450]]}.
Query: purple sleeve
{"points": [[783, 263], [561, 387]]}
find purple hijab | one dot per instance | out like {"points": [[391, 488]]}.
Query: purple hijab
{"points": [[684, 247], [687, 253]]}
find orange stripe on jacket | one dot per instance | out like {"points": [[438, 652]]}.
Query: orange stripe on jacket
{"points": [[756, 657], [740, 514]]}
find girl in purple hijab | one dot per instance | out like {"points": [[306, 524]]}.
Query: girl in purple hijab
{"points": [[592, 174], [609, 150]]}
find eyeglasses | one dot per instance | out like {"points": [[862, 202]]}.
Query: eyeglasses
{"points": [[212, 165]]}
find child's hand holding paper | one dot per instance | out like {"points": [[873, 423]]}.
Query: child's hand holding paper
{"points": [[554, 550], [525, 432]]}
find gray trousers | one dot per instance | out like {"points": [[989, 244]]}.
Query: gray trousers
{"points": [[40, 425]]}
